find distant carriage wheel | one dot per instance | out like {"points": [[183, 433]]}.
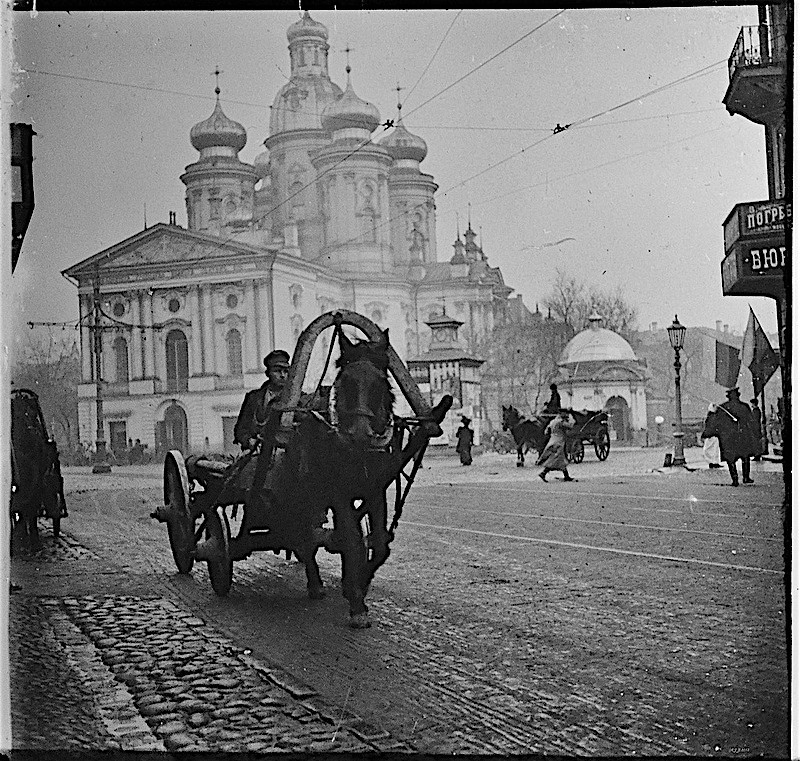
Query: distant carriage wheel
{"points": [[180, 524], [220, 564], [602, 444], [576, 451]]}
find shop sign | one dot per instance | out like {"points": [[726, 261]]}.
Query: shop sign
{"points": [[756, 219]]}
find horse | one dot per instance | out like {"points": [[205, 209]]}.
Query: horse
{"points": [[342, 464], [30, 459], [528, 434]]}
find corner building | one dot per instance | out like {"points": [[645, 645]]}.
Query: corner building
{"points": [[324, 218]]}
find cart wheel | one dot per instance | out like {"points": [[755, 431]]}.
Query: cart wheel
{"points": [[602, 444], [180, 524], [218, 542], [576, 452]]}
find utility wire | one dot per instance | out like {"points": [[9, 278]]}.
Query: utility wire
{"points": [[424, 71], [488, 60]]}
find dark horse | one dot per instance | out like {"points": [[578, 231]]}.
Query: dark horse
{"points": [[31, 457], [340, 462], [528, 434]]}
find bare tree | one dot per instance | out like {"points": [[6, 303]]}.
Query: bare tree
{"points": [[49, 364]]}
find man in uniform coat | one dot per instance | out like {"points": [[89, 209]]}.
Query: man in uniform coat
{"points": [[256, 405], [735, 433]]}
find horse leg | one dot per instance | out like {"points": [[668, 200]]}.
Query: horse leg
{"points": [[307, 555], [354, 560], [378, 549], [520, 457]]}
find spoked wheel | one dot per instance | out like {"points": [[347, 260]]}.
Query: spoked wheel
{"points": [[218, 550], [602, 444], [575, 451], [180, 524]]}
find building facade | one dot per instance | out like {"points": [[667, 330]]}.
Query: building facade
{"points": [[325, 218]]}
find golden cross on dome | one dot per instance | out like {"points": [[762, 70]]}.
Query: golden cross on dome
{"points": [[347, 51], [399, 105], [217, 72]]}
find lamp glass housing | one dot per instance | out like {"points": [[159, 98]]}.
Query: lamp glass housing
{"points": [[677, 333]]}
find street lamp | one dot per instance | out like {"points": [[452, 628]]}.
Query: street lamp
{"points": [[677, 333], [100, 463]]}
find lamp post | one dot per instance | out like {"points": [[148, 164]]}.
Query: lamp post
{"points": [[677, 333], [100, 463]]}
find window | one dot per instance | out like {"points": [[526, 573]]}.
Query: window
{"points": [[231, 301], [119, 309], [121, 360], [177, 348], [174, 305], [233, 342]]}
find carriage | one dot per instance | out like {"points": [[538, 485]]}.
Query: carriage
{"points": [[590, 428], [341, 450], [37, 486]]}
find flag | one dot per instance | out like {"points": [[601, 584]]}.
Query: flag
{"points": [[758, 356], [727, 365]]}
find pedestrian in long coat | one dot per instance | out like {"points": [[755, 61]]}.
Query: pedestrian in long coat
{"points": [[464, 435], [554, 455], [732, 425], [759, 434]]}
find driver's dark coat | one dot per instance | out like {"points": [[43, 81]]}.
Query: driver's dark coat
{"points": [[253, 414]]}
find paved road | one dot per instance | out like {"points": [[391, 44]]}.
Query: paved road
{"points": [[632, 612]]}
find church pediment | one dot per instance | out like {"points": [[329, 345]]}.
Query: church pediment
{"points": [[159, 246]]}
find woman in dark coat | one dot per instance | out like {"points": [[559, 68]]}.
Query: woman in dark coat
{"points": [[464, 447]]}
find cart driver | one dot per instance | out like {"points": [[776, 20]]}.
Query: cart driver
{"points": [[257, 403]]}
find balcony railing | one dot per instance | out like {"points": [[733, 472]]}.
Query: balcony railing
{"points": [[758, 46]]}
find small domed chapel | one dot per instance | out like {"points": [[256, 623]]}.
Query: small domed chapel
{"points": [[326, 217]]}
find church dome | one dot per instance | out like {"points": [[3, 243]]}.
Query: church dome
{"points": [[218, 130], [350, 111], [402, 144], [596, 344], [307, 27]]}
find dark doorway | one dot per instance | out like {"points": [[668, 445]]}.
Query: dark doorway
{"points": [[176, 429]]}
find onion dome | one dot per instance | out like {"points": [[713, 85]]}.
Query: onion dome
{"points": [[218, 130], [402, 144], [306, 27], [261, 165], [596, 344], [349, 111]]}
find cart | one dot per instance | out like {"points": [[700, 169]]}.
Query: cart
{"points": [[202, 496], [590, 428]]}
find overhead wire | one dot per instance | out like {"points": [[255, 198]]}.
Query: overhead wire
{"points": [[435, 53]]}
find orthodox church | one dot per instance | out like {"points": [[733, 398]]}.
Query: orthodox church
{"points": [[326, 217]]}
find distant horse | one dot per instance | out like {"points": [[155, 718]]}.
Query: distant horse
{"points": [[30, 459], [528, 434]]}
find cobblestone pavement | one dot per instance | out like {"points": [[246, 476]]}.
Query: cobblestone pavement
{"points": [[607, 617]]}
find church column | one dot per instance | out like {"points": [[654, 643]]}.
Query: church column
{"points": [[251, 349], [85, 307], [136, 336], [148, 355], [258, 299], [208, 331], [194, 311]]}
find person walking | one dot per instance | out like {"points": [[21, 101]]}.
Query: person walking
{"points": [[464, 434], [554, 455], [733, 427], [758, 430], [711, 443]]}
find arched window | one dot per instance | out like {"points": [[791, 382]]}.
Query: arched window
{"points": [[233, 342], [177, 361], [121, 360]]}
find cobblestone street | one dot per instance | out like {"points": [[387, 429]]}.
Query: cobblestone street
{"points": [[634, 612]]}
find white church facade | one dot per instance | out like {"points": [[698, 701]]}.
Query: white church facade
{"points": [[325, 218]]}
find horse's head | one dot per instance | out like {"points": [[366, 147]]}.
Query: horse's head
{"points": [[363, 397], [510, 417]]}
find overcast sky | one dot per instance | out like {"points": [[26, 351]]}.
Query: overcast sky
{"points": [[634, 197]]}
